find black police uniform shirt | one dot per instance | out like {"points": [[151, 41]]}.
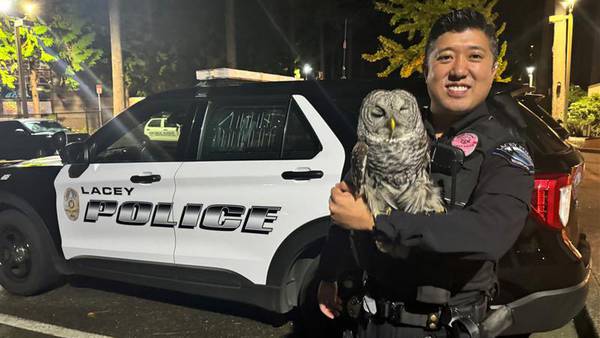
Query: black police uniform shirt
{"points": [[457, 249]]}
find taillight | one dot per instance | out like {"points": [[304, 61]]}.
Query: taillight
{"points": [[551, 200]]}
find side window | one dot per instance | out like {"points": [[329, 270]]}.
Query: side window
{"points": [[154, 123], [300, 141], [139, 135], [243, 133]]}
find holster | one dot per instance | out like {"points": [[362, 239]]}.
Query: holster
{"points": [[494, 323]]}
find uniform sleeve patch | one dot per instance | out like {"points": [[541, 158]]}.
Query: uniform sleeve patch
{"points": [[515, 154]]}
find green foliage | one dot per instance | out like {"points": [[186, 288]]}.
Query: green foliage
{"points": [[575, 93], [146, 74], [583, 117], [63, 42], [412, 21]]}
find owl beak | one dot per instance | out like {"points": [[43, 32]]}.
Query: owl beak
{"points": [[392, 126]]}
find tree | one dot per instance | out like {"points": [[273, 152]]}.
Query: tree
{"points": [[62, 40], [411, 21]]}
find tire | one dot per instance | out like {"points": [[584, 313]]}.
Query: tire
{"points": [[310, 321], [26, 251]]}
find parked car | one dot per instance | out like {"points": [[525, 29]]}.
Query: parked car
{"points": [[31, 138], [235, 208], [162, 129], [13, 95]]}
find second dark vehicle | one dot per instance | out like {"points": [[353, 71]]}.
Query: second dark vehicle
{"points": [[22, 139]]}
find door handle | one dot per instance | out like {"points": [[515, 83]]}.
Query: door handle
{"points": [[145, 178], [302, 175]]}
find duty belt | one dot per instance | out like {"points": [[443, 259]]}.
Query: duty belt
{"points": [[397, 314]]}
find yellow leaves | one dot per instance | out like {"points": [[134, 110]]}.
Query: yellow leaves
{"points": [[415, 18]]}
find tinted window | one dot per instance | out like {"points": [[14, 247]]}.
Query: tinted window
{"points": [[135, 137], [154, 123], [44, 126], [539, 135], [243, 133], [300, 140]]}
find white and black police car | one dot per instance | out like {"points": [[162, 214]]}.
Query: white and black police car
{"points": [[234, 206]]}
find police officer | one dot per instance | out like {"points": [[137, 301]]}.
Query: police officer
{"points": [[443, 286]]}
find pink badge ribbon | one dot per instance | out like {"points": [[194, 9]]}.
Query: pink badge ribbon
{"points": [[465, 142]]}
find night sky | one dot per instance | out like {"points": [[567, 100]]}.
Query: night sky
{"points": [[276, 35]]}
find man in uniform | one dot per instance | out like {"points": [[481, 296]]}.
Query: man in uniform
{"points": [[443, 286]]}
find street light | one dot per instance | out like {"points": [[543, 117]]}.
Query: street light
{"points": [[6, 6], [530, 71], [307, 70], [30, 8], [570, 4]]}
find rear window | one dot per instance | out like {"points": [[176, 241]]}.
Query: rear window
{"points": [[539, 135]]}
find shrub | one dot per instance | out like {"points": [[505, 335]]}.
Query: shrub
{"points": [[583, 117]]}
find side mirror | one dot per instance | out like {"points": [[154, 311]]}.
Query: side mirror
{"points": [[59, 140], [20, 132], [75, 153]]}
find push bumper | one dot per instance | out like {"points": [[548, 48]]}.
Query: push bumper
{"points": [[551, 309]]}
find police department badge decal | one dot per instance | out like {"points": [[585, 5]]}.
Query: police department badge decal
{"points": [[71, 204]]}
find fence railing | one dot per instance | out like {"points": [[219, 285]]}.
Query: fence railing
{"points": [[78, 121]]}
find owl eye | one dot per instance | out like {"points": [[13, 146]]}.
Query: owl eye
{"points": [[377, 112]]}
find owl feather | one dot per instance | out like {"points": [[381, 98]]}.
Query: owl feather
{"points": [[390, 160]]}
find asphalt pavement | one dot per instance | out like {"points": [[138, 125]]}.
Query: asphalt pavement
{"points": [[588, 321]]}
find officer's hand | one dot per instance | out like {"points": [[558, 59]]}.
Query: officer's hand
{"points": [[348, 211], [329, 302]]}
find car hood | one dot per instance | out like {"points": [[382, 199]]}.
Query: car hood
{"points": [[49, 161]]}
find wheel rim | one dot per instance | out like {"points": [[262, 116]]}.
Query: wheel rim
{"points": [[15, 254]]}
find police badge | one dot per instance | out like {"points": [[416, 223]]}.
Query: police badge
{"points": [[71, 204]]}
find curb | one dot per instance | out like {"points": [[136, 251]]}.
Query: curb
{"points": [[587, 322]]}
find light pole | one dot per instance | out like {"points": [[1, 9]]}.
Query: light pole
{"points": [[22, 107], [561, 55], [6, 6]]}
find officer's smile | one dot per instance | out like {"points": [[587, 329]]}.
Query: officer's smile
{"points": [[457, 90]]}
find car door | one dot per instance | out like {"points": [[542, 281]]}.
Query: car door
{"points": [[118, 206], [263, 168]]}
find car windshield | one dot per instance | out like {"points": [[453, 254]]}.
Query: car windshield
{"points": [[43, 126]]}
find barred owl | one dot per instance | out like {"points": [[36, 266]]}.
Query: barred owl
{"points": [[390, 161]]}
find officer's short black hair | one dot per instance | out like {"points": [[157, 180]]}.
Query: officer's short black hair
{"points": [[459, 20]]}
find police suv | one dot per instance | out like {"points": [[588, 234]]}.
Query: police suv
{"points": [[234, 204]]}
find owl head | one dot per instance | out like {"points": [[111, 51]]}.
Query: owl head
{"points": [[387, 115]]}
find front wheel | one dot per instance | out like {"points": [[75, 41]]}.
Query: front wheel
{"points": [[26, 266]]}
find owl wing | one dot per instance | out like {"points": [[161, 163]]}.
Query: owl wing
{"points": [[359, 167]]}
